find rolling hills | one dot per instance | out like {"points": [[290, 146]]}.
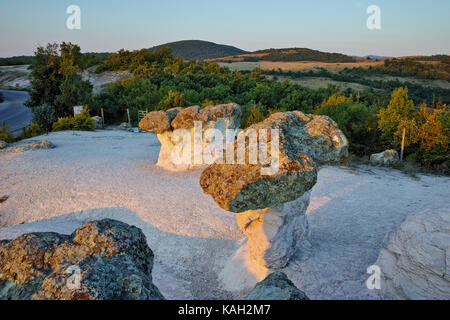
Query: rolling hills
{"points": [[200, 50]]}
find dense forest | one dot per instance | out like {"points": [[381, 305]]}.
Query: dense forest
{"points": [[371, 120]]}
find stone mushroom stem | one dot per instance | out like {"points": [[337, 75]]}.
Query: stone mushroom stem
{"points": [[275, 234]]}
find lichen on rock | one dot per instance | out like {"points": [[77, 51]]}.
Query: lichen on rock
{"points": [[111, 258], [271, 206], [276, 286]]}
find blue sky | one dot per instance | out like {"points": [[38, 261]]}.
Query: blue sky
{"points": [[412, 27]]}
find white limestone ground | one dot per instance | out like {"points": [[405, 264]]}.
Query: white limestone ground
{"points": [[93, 175]]}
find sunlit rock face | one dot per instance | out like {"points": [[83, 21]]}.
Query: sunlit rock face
{"points": [[101, 260], [276, 233], [185, 136], [271, 197], [415, 261]]}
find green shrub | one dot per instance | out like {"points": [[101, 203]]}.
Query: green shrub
{"points": [[5, 134], [44, 115], [33, 130], [80, 122]]}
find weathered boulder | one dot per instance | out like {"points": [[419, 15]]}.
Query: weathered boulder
{"points": [[276, 286], [104, 259], [415, 261], [185, 135], [385, 158], [271, 195], [319, 137], [125, 126], [98, 122]]}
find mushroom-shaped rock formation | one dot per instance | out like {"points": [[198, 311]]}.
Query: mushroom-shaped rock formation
{"points": [[187, 138], [270, 196]]}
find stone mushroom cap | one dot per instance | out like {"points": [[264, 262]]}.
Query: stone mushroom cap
{"points": [[317, 136], [302, 138], [159, 121], [184, 118], [243, 187]]}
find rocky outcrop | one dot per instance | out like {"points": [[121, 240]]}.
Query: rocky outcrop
{"points": [[276, 286], [98, 122], [186, 141], [385, 158], [101, 260], [270, 197], [29, 145], [415, 261]]}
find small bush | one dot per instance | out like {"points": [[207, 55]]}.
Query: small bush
{"points": [[80, 122], [33, 130], [44, 115], [5, 134]]}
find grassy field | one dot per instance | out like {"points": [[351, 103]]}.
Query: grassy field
{"points": [[423, 82], [298, 65], [319, 82]]}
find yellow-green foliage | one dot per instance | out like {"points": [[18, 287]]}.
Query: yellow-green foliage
{"points": [[81, 121], [5, 134], [174, 99], [398, 115], [33, 130], [255, 116]]}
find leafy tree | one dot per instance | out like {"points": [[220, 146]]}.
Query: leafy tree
{"points": [[73, 91], [397, 115], [46, 76], [56, 79], [431, 131], [354, 119], [174, 99]]}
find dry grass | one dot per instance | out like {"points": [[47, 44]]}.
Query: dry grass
{"points": [[301, 65], [298, 65], [320, 82]]}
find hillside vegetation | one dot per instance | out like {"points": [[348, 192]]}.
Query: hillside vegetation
{"points": [[372, 120], [290, 55], [199, 50]]}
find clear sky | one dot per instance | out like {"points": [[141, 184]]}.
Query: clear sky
{"points": [[408, 27]]}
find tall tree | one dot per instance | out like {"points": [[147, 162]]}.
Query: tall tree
{"points": [[56, 78], [398, 115]]}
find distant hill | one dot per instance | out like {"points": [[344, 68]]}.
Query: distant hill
{"points": [[371, 56], [200, 50], [291, 55], [16, 60]]}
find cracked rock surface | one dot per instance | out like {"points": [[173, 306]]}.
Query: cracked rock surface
{"points": [[415, 261], [101, 260]]}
